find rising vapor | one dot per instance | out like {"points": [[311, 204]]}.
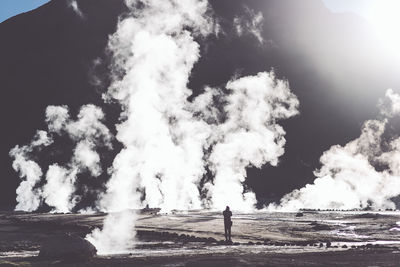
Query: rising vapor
{"points": [[250, 23], [74, 5], [28, 197], [87, 133], [176, 153], [365, 173], [162, 154], [165, 136], [249, 136]]}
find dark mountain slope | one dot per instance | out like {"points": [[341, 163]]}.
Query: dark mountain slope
{"points": [[47, 56]]}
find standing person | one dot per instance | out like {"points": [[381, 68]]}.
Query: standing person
{"points": [[227, 223]]}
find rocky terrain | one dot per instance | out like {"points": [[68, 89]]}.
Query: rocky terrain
{"points": [[196, 239]]}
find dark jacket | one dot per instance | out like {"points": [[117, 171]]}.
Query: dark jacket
{"points": [[227, 217]]}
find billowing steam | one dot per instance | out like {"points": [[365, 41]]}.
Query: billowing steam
{"points": [[162, 154], [176, 154], [365, 173], [28, 197], [165, 136], [251, 23], [249, 136], [87, 132]]}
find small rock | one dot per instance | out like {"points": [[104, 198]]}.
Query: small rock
{"points": [[321, 227], [68, 248], [174, 235], [211, 240]]}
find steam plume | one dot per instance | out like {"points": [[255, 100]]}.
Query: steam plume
{"points": [[364, 173], [74, 5], [169, 143], [87, 132], [250, 23], [249, 136], [165, 136], [28, 197], [162, 141]]}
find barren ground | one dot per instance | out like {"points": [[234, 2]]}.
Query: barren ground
{"points": [[195, 239]]}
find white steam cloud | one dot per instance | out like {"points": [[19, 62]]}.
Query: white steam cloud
{"points": [[365, 173], [28, 197], [169, 143], [59, 189], [162, 140], [165, 136], [249, 136], [87, 132], [74, 5], [251, 23], [390, 105]]}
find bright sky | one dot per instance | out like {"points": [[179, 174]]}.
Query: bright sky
{"points": [[360, 7], [382, 14], [10, 8]]}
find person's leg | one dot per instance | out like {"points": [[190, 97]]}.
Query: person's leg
{"points": [[226, 233], [229, 233]]}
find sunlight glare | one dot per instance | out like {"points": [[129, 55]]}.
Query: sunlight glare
{"points": [[385, 18]]}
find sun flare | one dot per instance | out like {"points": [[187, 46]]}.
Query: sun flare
{"points": [[385, 18]]}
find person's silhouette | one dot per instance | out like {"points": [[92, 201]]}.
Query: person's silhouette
{"points": [[227, 223]]}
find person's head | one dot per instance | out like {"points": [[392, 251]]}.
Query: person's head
{"points": [[227, 208]]}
